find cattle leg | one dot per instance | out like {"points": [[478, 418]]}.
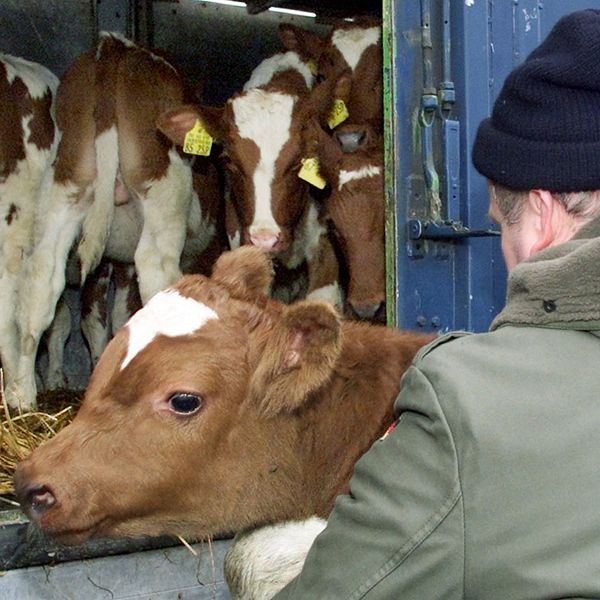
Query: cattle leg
{"points": [[99, 216], [127, 296], [95, 326], [43, 282], [9, 337], [262, 561], [56, 337], [18, 197], [166, 205]]}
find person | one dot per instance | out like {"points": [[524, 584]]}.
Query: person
{"points": [[489, 485]]}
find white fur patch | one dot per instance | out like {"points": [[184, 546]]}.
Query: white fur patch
{"points": [[36, 78], [362, 173], [167, 313], [332, 294], [235, 240], [103, 35], [265, 118], [277, 63], [353, 42], [262, 561]]}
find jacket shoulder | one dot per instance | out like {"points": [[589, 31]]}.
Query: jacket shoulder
{"points": [[446, 338]]}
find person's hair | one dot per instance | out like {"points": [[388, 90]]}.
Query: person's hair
{"points": [[580, 205]]}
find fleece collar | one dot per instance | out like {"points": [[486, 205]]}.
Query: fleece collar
{"points": [[558, 287]]}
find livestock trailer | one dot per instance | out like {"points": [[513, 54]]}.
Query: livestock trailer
{"points": [[444, 62]]}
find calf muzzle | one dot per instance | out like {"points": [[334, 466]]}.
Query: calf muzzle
{"points": [[35, 499]]}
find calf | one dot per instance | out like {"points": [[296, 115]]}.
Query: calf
{"points": [[260, 128], [107, 104], [217, 409], [354, 48], [356, 207], [27, 149]]}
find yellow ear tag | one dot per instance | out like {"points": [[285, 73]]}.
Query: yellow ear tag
{"points": [[310, 172], [339, 113], [312, 65], [197, 140]]}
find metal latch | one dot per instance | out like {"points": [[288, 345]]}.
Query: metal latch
{"points": [[444, 230]]}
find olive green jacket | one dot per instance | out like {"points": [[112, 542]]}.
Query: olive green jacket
{"points": [[489, 486]]}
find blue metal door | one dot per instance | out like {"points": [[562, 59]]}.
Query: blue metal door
{"points": [[445, 62]]}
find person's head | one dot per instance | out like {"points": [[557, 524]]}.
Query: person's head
{"points": [[540, 149]]}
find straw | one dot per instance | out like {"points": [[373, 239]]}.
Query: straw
{"points": [[22, 432]]}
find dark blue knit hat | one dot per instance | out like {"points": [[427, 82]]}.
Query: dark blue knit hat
{"points": [[544, 131]]}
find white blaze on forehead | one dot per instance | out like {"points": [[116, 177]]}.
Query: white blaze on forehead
{"points": [[167, 313], [353, 42], [265, 118], [362, 173]]}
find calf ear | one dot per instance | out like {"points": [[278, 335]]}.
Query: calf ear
{"points": [[246, 273], [306, 43], [177, 122], [297, 358]]}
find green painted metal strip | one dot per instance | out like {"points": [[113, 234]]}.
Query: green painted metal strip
{"points": [[389, 118]]}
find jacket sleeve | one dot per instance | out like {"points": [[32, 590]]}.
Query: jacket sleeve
{"points": [[399, 533]]}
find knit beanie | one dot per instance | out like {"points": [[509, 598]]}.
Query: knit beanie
{"points": [[544, 131]]}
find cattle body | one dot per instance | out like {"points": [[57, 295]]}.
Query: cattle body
{"points": [[260, 129], [217, 409], [27, 149], [109, 155]]}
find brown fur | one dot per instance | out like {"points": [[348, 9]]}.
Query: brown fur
{"points": [[292, 396]]}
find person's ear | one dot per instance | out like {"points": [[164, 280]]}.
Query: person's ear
{"points": [[543, 206]]}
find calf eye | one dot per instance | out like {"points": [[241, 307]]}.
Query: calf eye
{"points": [[185, 404]]}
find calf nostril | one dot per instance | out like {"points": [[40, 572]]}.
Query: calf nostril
{"points": [[39, 499]]}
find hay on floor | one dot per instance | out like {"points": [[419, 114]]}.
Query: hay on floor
{"points": [[20, 433]]}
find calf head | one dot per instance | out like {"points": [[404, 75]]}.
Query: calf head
{"points": [[260, 129], [354, 48], [194, 419], [356, 207]]}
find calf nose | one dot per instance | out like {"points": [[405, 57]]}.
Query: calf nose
{"points": [[266, 241], [35, 499], [368, 311], [350, 141]]}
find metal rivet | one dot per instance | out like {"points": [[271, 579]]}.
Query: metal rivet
{"points": [[549, 306]]}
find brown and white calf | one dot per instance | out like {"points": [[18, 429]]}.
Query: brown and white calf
{"points": [[109, 153], [217, 409], [27, 149], [356, 207], [260, 129]]}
